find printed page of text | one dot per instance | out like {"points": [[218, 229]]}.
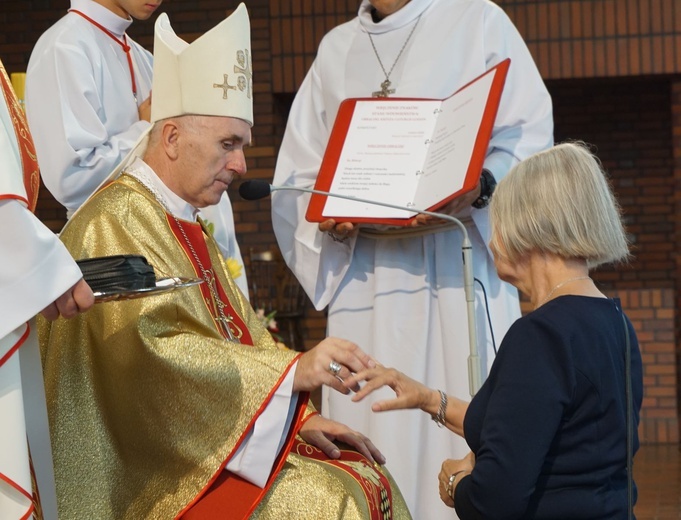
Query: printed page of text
{"points": [[453, 143], [383, 155]]}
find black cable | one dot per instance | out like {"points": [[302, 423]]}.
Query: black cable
{"points": [[630, 421], [489, 318]]}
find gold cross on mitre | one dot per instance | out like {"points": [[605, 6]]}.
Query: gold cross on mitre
{"points": [[185, 75], [225, 86]]}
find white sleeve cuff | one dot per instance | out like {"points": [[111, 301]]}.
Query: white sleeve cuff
{"points": [[255, 457]]}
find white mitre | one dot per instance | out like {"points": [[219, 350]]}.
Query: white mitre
{"points": [[212, 76]]}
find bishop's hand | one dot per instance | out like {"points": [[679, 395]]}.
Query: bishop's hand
{"points": [[330, 363], [322, 433]]}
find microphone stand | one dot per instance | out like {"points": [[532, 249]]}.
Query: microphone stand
{"points": [[474, 368]]}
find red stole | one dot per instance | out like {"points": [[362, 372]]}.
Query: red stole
{"points": [[226, 492], [195, 234], [29, 160], [230, 496]]}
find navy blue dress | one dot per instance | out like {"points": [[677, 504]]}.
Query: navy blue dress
{"points": [[548, 427]]}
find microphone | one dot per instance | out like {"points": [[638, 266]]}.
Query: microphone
{"points": [[258, 189]]}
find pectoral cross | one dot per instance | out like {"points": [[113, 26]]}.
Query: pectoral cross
{"points": [[385, 90]]}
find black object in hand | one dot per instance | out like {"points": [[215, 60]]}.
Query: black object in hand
{"points": [[117, 273]]}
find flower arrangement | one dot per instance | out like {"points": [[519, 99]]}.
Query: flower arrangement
{"points": [[270, 324], [234, 268]]}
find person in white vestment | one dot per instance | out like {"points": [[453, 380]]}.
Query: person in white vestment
{"points": [[37, 275], [401, 296], [88, 101]]}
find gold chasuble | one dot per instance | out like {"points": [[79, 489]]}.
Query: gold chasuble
{"points": [[148, 401]]}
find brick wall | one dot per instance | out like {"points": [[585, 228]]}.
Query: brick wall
{"points": [[568, 38], [628, 121], [634, 120], [597, 38], [652, 312], [634, 125]]}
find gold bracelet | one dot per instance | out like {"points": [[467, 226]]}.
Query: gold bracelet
{"points": [[439, 418]]}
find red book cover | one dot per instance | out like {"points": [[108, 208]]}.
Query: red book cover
{"points": [[419, 153]]}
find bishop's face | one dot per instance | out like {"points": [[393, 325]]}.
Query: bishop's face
{"points": [[388, 7], [210, 156], [138, 9]]}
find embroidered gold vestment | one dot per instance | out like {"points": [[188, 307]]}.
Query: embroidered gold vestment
{"points": [[148, 401]]}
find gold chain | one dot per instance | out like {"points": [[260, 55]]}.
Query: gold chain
{"points": [[208, 275], [225, 320], [561, 284]]}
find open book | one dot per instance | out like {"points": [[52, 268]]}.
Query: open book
{"points": [[419, 153]]}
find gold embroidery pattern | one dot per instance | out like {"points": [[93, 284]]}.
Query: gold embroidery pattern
{"points": [[244, 76], [225, 86], [28, 156], [245, 68], [368, 476]]}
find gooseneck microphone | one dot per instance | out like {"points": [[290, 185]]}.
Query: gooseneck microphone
{"points": [[259, 189], [255, 189]]}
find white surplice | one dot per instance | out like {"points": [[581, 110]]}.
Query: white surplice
{"points": [[402, 299], [84, 117], [35, 269]]}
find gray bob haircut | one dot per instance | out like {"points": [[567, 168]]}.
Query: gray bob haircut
{"points": [[558, 201]]}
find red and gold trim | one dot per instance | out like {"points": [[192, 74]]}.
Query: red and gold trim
{"points": [[29, 159], [375, 484], [196, 236], [228, 492], [35, 497]]}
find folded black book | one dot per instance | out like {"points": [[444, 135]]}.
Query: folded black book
{"points": [[117, 273]]}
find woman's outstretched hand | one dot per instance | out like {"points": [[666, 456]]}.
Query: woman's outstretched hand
{"points": [[408, 393]]}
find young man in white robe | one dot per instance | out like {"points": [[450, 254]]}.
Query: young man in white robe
{"points": [[402, 298], [88, 100], [37, 275]]}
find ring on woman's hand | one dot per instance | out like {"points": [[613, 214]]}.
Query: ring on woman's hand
{"points": [[335, 367]]}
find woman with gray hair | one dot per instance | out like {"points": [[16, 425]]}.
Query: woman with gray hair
{"points": [[547, 430]]}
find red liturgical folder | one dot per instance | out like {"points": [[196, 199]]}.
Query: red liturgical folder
{"points": [[418, 153]]}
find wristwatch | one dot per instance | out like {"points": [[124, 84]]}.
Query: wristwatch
{"points": [[487, 185]]}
